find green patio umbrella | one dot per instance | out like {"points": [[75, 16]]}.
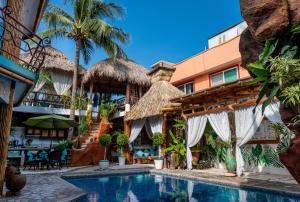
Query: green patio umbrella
{"points": [[51, 122]]}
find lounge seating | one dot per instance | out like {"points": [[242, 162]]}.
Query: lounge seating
{"points": [[143, 154]]}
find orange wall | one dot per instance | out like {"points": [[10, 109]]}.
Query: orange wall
{"points": [[198, 68]]}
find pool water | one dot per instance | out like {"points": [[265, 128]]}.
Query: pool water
{"points": [[146, 187]]}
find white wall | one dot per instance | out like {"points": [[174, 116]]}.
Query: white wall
{"points": [[229, 34]]}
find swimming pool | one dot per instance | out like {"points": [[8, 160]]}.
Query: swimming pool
{"points": [[148, 187]]}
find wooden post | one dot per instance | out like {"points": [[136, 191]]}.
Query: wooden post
{"points": [[164, 133], [81, 89], [127, 96], [140, 91], [91, 92], [5, 124], [231, 118]]}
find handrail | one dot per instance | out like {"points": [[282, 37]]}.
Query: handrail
{"points": [[13, 31]]}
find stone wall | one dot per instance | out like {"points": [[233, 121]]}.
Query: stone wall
{"points": [[8, 45]]}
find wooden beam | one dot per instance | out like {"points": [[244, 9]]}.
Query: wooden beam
{"points": [[91, 91], [127, 97], [169, 109], [16, 76]]}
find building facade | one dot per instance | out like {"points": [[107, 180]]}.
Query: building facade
{"points": [[220, 64]]}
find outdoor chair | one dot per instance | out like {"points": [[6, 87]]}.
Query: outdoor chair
{"points": [[30, 160], [54, 159], [63, 158], [43, 159]]}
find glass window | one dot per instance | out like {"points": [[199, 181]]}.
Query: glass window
{"points": [[187, 88], [217, 79], [230, 75]]}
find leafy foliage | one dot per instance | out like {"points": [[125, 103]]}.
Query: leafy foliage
{"points": [[105, 140], [179, 123], [63, 145], [106, 110], [122, 139], [178, 146], [83, 125], [278, 69], [87, 25], [158, 139], [285, 136], [230, 161], [263, 155]]}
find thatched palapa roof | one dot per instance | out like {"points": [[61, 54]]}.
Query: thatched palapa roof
{"points": [[157, 97], [111, 74], [55, 60]]}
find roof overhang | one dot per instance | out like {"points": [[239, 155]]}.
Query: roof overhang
{"points": [[32, 14], [222, 93]]}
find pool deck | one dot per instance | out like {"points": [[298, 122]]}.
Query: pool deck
{"points": [[50, 185]]}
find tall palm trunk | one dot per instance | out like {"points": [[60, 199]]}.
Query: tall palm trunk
{"points": [[74, 85], [5, 124]]}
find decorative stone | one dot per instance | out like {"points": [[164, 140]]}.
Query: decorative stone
{"points": [[249, 48], [294, 6], [265, 18]]}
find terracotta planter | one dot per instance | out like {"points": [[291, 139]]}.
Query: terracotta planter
{"points": [[14, 180]]}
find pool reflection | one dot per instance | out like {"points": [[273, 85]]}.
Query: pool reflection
{"points": [[145, 187]]}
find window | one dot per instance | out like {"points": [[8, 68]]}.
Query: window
{"points": [[224, 77], [187, 88]]}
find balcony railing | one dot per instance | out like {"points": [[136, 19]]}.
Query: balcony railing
{"points": [[40, 99], [120, 103], [22, 39]]}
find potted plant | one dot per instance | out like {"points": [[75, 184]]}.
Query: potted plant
{"points": [[230, 163], [122, 141], [178, 150], [158, 140], [104, 140]]}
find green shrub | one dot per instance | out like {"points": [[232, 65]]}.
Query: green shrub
{"points": [[122, 139], [230, 161], [105, 140], [106, 110], [158, 139]]}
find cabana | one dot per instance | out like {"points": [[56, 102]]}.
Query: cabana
{"points": [[229, 110], [60, 68], [118, 76], [147, 111]]}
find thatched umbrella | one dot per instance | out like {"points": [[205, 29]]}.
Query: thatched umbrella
{"points": [[159, 94], [110, 75], [55, 60], [157, 97]]}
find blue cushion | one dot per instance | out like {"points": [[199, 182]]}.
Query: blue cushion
{"points": [[146, 153], [139, 153]]}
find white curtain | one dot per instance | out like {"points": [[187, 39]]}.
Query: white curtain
{"points": [[220, 123], [272, 113], [155, 124], [136, 128], [39, 85], [148, 129], [62, 82], [196, 126], [246, 123]]}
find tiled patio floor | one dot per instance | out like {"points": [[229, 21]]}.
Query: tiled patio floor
{"points": [[50, 187]]}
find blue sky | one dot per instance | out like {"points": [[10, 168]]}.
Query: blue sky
{"points": [[171, 30]]}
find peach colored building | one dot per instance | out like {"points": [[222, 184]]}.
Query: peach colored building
{"points": [[218, 65]]}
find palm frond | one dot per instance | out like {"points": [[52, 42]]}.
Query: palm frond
{"points": [[104, 10], [86, 49], [53, 33]]}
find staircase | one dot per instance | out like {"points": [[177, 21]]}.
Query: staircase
{"points": [[92, 135]]}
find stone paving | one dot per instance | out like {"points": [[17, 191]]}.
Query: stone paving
{"points": [[51, 187], [46, 188]]}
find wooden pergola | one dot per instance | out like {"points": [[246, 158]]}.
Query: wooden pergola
{"points": [[219, 98]]}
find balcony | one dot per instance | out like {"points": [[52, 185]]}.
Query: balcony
{"points": [[16, 39]]}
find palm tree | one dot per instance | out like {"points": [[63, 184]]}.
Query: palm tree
{"points": [[86, 26]]}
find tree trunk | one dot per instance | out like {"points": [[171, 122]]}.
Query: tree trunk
{"points": [[5, 124], [74, 86]]}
